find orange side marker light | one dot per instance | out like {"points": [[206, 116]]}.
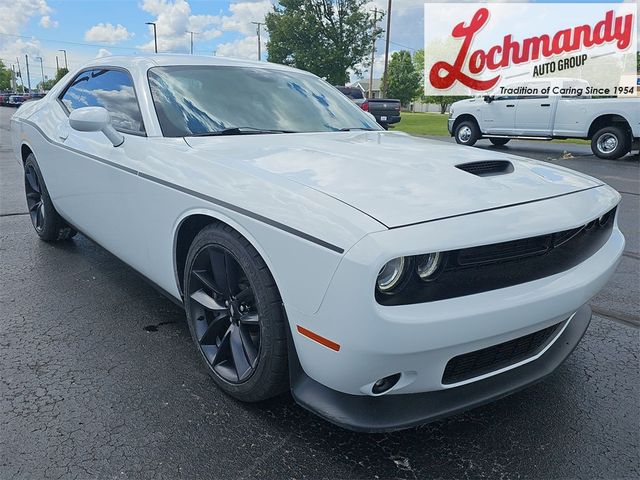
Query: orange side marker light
{"points": [[318, 338]]}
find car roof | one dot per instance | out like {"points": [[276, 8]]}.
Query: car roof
{"points": [[158, 60]]}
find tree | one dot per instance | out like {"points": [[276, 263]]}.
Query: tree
{"points": [[404, 80], [60, 73], [5, 77], [326, 37], [47, 84]]}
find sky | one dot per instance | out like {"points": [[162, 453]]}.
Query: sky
{"points": [[90, 28]]}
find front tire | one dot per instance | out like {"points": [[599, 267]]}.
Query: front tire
{"points": [[235, 315], [467, 133], [499, 142], [46, 221], [610, 143]]}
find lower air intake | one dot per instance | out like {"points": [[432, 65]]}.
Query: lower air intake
{"points": [[474, 364]]}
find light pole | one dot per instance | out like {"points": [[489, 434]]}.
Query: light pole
{"points": [[66, 65], [57, 66], [258, 25], [42, 72], [155, 36], [26, 57], [385, 82], [192, 33]]}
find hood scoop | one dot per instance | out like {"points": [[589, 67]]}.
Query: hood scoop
{"points": [[487, 168]]}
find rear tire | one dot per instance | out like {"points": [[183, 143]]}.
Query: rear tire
{"points": [[235, 315], [610, 143], [467, 133], [499, 142], [46, 221]]}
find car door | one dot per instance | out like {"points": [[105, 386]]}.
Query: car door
{"points": [[534, 115], [100, 181], [499, 115]]}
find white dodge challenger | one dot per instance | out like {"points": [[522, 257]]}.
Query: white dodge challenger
{"points": [[386, 280]]}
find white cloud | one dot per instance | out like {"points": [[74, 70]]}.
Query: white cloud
{"points": [[46, 22], [246, 48], [103, 52], [243, 13], [16, 14], [173, 20], [107, 33]]}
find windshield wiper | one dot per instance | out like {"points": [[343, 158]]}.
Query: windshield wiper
{"points": [[349, 129], [239, 131]]}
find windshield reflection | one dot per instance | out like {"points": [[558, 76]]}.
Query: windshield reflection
{"points": [[195, 100]]}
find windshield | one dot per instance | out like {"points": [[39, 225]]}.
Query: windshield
{"points": [[197, 100]]}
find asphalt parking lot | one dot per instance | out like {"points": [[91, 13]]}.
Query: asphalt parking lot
{"points": [[99, 379]]}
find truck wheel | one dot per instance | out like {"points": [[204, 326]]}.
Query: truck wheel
{"points": [[467, 133], [610, 143], [499, 142]]}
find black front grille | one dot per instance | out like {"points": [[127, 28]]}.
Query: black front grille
{"points": [[489, 267], [487, 168], [473, 364]]}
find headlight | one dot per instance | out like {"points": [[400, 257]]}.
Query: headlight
{"points": [[428, 265], [450, 112], [391, 274]]}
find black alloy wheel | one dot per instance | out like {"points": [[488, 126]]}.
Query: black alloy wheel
{"points": [[236, 315], [46, 221], [35, 203], [224, 316]]}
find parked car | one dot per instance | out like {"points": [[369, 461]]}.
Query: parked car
{"points": [[15, 100], [4, 99], [385, 110], [353, 93], [385, 280], [612, 124]]}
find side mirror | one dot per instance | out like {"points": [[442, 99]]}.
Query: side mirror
{"points": [[488, 98], [95, 119]]}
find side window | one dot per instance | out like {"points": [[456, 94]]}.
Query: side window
{"points": [[111, 89]]}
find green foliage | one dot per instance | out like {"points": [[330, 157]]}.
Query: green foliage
{"points": [[403, 79], [326, 37], [59, 74], [5, 77], [47, 84]]}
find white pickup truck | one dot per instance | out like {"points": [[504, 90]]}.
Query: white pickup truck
{"points": [[612, 124]]}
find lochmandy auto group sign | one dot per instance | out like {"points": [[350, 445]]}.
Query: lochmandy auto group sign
{"points": [[507, 48]]}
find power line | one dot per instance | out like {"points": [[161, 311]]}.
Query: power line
{"points": [[403, 46], [68, 42]]}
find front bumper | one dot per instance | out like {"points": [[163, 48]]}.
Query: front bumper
{"points": [[450, 125], [394, 412]]}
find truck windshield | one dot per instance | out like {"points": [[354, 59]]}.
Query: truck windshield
{"points": [[201, 100]]}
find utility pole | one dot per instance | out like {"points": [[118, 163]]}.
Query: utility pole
{"points": [[14, 80], [42, 72], [66, 65], [385, 81], [258, 25], [155, 35], [57, 66], [26, 57], [19, 75], [192, 33], [373, 51]]}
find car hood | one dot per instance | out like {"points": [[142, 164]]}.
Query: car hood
{"points": [[395, 178]]}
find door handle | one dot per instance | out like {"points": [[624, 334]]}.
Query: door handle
{"points": [[545, 104], [510, 106]]}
